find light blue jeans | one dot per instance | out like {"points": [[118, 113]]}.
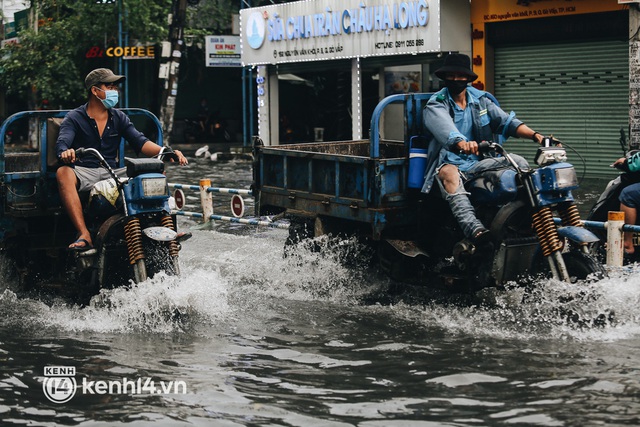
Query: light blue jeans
{"points": [[459, 202]]}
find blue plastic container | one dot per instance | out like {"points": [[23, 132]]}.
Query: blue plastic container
{"points": [[417, 165]]}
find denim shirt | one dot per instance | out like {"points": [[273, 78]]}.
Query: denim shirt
{"points": [[487, 120], [78, 130]]}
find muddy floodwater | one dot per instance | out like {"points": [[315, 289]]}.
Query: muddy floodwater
{"points": [[248, 337]]}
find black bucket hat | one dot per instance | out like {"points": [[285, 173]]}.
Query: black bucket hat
{"points": [[456, 63]]}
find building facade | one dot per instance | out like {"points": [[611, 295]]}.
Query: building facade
{"points": [[562, 65]]}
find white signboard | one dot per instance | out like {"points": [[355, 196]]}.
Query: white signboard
{"points": [[336, 29], [222, 51]]}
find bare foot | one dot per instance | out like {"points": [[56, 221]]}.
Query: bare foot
{"points": [[629, 249]]}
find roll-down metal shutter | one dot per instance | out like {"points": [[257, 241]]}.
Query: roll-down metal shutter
{"points": [[579, 92]]}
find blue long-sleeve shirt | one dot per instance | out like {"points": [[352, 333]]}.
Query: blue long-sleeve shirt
{"points": [[481, 120], [78, 130]]}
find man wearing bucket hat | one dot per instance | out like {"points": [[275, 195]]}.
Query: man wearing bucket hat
{"points": [[458, 117], [98, 125]]}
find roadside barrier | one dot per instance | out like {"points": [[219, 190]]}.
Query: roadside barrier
{"points": [[206, 201], [614, 226]]}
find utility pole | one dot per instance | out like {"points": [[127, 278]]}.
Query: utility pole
{"points": [[169, 70]]}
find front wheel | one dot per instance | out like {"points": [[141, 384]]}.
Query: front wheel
{"points": [[581, 267], [160, 257]]}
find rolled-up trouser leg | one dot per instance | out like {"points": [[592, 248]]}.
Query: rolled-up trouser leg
{"points": [[462, 209]]}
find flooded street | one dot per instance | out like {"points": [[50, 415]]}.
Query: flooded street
{"points": [[248, 337]]}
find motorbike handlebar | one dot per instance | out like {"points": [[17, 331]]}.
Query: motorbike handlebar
{"points": [[167, 153], [83, 152], [549, 141], [485, 147]]}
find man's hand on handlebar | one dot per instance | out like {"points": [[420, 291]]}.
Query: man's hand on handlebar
{"points": [[181, 158], [68, 156], [550, 141], [468, 147], [621, 164], [167, 153]]}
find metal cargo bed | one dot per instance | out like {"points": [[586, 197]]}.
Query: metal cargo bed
{"points": [[362, 180]]}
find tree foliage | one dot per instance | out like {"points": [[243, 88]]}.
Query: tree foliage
{"points": [[49, 63]]}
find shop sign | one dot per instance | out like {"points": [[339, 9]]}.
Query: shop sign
{"points": [[21, 19], [10, 30], [509, 10], [13, 40], [335, 29], [222, 51], [126, 52]]}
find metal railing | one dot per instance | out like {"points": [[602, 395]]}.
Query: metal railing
{"points": [[206, 201], [614, 226]]}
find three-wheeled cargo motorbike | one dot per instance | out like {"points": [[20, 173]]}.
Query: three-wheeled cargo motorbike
{"points": [[371, 189], [134, 235]]}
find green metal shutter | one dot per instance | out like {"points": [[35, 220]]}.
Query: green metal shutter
{"points": [[579, 92]]}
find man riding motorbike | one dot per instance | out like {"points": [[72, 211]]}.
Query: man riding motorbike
{"points": [[457, 118], [629, 196], [98, 125]]}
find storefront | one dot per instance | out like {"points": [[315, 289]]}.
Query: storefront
{"points": [[563, 67], [322, 66]]}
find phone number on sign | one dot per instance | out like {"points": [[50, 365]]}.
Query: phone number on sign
{"points": [[399, 44]]}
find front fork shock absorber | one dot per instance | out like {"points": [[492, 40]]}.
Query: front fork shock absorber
{"points": [[547, 232], [550, 242], [570, 216], [167, 222], [133, 236]]}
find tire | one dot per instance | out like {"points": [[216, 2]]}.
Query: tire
{"points": [[299, 230], [581, 267], [117, 270], [158, 258]]}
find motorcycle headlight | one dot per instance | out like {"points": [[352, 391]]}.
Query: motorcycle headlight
{"points": [[566, 178], [154, 187]]}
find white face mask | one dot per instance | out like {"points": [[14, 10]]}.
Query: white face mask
{"points": [[111, 98]]}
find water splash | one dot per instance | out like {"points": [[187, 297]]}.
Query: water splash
{"points": [[226, 276], [320, 269], [160, 305], [600, 311]]}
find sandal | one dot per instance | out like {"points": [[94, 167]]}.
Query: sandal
{"points": [[80, 248]]}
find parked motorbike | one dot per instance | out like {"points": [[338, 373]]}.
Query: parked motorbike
{"points": [[609, 201], [518, 206], [134, 236]]}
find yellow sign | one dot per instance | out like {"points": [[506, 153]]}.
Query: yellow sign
{"points": [[127, 52], [507, 10], [132, 51]]}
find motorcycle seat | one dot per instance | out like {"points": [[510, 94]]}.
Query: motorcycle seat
{"points": [[137, 167]]}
